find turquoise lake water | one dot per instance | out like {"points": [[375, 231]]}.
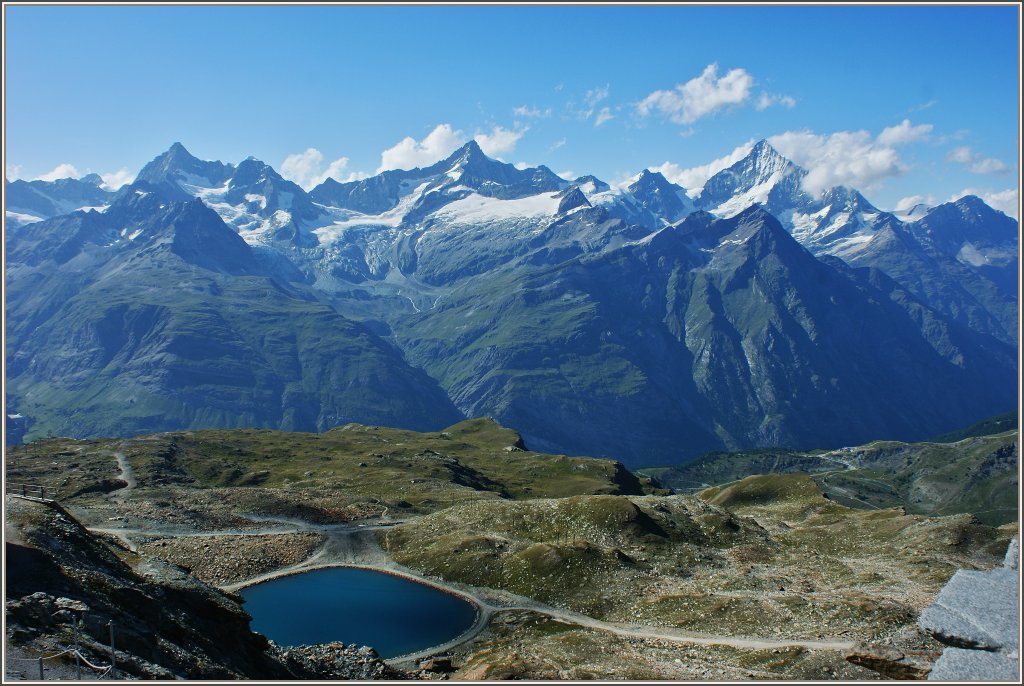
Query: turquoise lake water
{"points": [[394, 615]]}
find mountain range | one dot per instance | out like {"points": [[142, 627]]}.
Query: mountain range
{"points": [[635, 322]]}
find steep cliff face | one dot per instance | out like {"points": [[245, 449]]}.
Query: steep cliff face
{"points": [[167, 624]]}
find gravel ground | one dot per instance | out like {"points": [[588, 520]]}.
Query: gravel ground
{"points": [[222, 560]]}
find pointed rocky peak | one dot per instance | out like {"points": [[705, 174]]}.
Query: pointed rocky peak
{"points": [[664, 199], [847, 198], [967, 220], [145, 217], [93, 179], [652, 182], [251, 171], [469, 153], [469, 166], [766, 155], [572, 198], [969, 209], [177, 156], [757, 223], [761, 164], [763, 175], [177, 165], [470, 158], [757, 215], [973, 206], [591, 181], [695, 222]]}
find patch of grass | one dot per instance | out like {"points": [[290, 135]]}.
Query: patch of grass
{"points": [[976, 475], [471, 460]]}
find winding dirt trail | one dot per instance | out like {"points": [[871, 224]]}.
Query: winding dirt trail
{"points": [[346, 545], [358, 547], [127, 475]]}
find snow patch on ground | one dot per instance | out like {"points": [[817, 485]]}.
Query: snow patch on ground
{"points": [[392, 218], [21, 217], [974, 256], [479, 209], [805, 224], [740, 202], [851, 245], [194, 180], [260, 199]]}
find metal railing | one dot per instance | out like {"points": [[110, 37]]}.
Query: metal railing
{"points": [[104, 671], [30, 491]]}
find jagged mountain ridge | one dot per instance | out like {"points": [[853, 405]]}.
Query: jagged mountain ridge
{"points": [[712, 332], [31, 201], [403, 251], [155, 315]]}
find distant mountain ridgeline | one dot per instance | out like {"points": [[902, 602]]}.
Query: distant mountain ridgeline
{"points": [[637, 322], [976, 473]]}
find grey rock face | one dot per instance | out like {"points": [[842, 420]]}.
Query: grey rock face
{"points": [[958, 664], [976, 614], [1012, 560], [976, 610]]}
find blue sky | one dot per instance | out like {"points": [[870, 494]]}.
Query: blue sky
{"points": [[902, 102]]}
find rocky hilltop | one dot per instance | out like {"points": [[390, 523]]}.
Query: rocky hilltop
{"points": [[167, 624]]}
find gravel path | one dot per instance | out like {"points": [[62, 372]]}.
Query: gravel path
{"points": [[127, 476], [359, 548], [356, 546]]}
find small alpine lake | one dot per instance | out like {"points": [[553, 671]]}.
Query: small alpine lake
{"points": [[391, 613]]}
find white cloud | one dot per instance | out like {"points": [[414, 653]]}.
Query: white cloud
{"points": [[500, 141], [114, 180], [522, 165], [61, 171], [300, 167], [568, 175], [976, 162], [305, 169], [962, 155], [700, 96], [844, 158], [557, 144], [409, 153], [590, 101], [764, 101], [596, 95], [694, 178], [12, 171], [532, 112], [1004, 201], [910, 201], [989, 165], [923, 106], [904, 133], [957, 135], [604, 115]]}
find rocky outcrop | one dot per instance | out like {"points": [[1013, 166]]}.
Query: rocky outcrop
{"points": [[340, 661], [167, 624], [977, 615], [889, 662]]}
